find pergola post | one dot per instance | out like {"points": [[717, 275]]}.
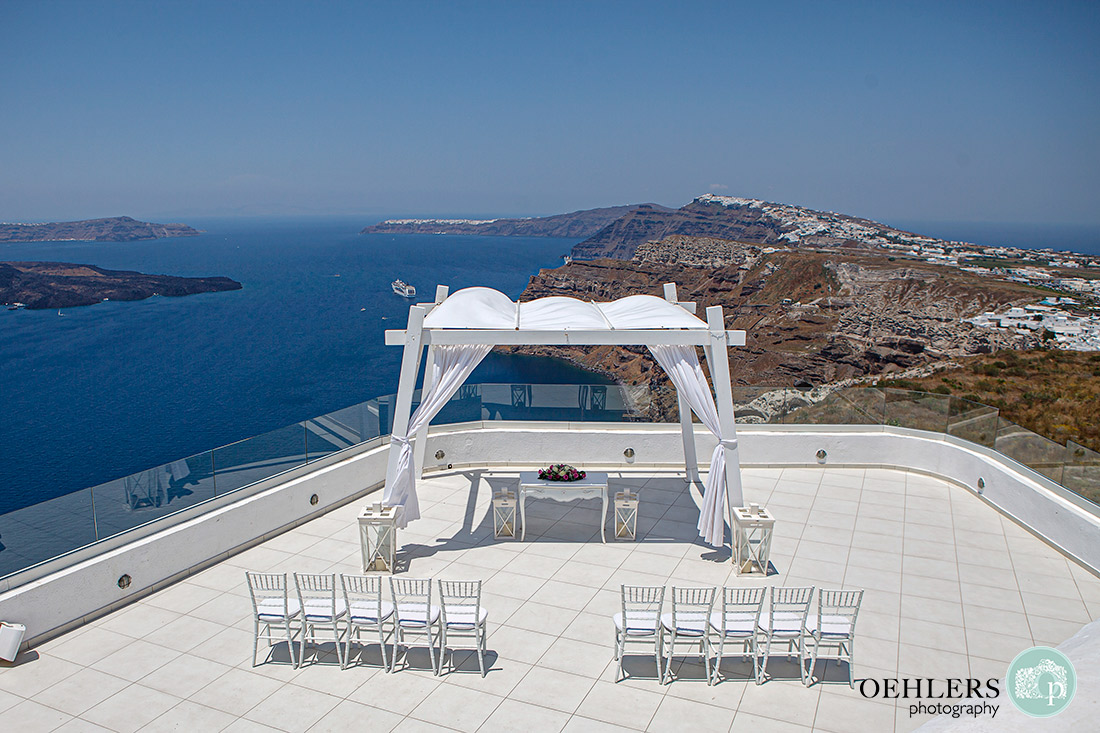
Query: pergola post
{"points": [[718, 357], [687, 430], [410, 365], [420, 446]]}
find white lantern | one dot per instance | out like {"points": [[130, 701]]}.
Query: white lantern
{"points": [[626, 515], [378, 537], [752, 538], [504, 514]]}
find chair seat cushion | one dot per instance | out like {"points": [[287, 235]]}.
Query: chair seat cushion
{"points": [[416, 614], [271, 609], [693, 623], [831, 626], [783, 623], [640, 623], [462, 617], [320, 611], [368, 612], [734, 624]]}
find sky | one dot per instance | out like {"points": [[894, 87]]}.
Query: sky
{"points": [[923, 111]]}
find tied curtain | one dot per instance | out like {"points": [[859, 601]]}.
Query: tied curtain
{"points": [[449, 369], [682, 366]]}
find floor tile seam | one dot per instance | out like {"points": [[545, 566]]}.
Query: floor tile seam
{"points": [[35, 697], [501, 700], [1019, 592], [208, 707], [534, 667], [847, 565], [122, 691]]}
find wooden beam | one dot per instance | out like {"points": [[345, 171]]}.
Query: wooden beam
{"points": [[524, 337], [410, 365], [718, 358]]}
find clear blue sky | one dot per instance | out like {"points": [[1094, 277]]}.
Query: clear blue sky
{"points": [[919, 111]]}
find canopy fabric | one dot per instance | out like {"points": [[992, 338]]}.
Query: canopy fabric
{"points": [[682, 366], [485, 308], [450, 367]]}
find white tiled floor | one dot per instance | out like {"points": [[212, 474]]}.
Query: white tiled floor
{"points": [[952, 590]]}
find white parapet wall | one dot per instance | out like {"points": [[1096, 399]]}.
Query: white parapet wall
{"points": [[62, 595]]}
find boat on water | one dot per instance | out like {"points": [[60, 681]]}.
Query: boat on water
{"points": [[403, 289]]}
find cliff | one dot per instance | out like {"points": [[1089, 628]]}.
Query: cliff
{"points": [[574, 225], [64, 285], [115, 229], [743, 220], [810, 317]]}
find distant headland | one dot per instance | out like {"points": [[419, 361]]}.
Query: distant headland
{"points": [[113, 229], [574, 225], [38, 285]]}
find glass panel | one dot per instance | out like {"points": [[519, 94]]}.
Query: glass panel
{"points": [[917, 410], [147, 495], [249, 461], [44, 530], [564, 402], [1082, 471], [849, 406], [341, 429], [1034, 451], [464, 406], [973, 421], [758, 404]]}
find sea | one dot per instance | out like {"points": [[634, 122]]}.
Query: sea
{"points": [[94, 393]]}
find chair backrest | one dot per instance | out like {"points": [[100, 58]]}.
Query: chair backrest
{"points": [[460, 601], [791, 602], [363, 592], [268, 591], [316, 592], [642, 607], [841, 606], [743, 603], [412, 597], [691, 608]]}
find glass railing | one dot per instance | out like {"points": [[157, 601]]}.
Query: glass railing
{"points": [[52, 528], [55, 527], [1073, 465]]}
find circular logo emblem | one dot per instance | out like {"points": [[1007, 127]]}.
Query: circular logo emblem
{"points": [[1041, 682]]}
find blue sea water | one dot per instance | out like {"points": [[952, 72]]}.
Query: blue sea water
{"points": [[107, 390], [1084, 239]]}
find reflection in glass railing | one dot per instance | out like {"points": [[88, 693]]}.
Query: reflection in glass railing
{"points": [[1081, 472], [973, 421], [1034, 451], [917, 410], [142, 497], [248, 461], [43, 531]]}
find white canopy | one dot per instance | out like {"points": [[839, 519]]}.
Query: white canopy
{"points": [[459, 331], [485, 308]]}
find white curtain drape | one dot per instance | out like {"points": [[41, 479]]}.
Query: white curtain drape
{"points": [[682, 366], [449, 370]]}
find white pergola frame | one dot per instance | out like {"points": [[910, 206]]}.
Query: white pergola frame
{"points": [[714, 339]]}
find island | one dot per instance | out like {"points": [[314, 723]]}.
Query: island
{"points": [[38, 285], [574, 225], [114, 229]]}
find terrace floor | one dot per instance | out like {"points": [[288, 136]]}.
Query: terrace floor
{"points": [[953, 589]]}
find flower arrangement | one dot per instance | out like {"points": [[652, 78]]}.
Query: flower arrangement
{"points": [[561, 472]]}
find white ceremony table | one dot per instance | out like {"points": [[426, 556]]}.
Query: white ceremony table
{"points": [[593, 486]]}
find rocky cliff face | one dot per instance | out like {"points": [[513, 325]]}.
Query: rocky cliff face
{"points": [[575, 225], [743, 220], [810, 317], [116, 229]]}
